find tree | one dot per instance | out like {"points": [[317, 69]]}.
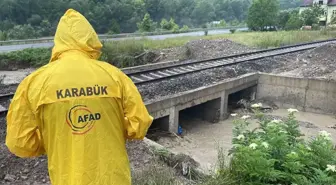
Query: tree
{"points": [[45, 28], [231, 9], [289, 4], [283, 18], [222, 23], [262, 13], [185, 28], [108, 16], [165, 24], [147, 24], [115, 27], [34, 20], [22, 32], [311, 15], [203, 12], [3, 36], [294, 22], [234, 22]]}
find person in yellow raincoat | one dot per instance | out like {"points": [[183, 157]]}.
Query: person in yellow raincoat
{"points": [[78, 111]]}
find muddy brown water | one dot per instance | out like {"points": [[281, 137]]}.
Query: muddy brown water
{"points": [[202, 138]]}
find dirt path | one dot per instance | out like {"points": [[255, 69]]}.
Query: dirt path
{"points": [[15, 77], [203, 138]]}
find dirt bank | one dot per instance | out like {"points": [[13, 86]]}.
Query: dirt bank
{"points": [[317, 63]]}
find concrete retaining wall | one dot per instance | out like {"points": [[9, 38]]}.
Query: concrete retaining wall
{"points": [[311, 95], [219, 92]]}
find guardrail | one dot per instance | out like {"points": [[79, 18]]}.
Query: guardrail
{"points": [[122, 35]]}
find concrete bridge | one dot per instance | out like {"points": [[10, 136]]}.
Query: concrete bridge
{"points": [[211, 102]]}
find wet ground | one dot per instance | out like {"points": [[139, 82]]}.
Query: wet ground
{"points": [[202, 138]]}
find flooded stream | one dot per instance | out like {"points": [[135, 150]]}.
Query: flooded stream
{"points": [[202, 138]]}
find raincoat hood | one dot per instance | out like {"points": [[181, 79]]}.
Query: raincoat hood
{"points": [[74, 32]]}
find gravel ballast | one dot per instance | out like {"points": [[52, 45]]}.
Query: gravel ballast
{"points": [[161, 89]]}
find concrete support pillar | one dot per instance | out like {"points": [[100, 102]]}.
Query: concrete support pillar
{"points": [[212, 110], [173, 120], [224, 114]]}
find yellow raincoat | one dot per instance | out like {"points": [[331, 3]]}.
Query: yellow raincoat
{"points": [[78, 111]]}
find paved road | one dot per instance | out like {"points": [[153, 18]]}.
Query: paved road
{"points": [[10, 48]]}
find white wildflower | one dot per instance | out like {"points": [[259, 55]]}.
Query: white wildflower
{"points": [[253, 146], [331, 168], [325, 134], [257, 105], [292, 110], [241, 137], [276, 121], [293, 154], [234, 115], [245, 117], [265, 144]]}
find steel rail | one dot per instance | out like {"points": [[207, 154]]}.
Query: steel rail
{"points": [[174, 70]]}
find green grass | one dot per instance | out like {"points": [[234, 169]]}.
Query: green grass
{"points": [[124, 53], [252, 39]]}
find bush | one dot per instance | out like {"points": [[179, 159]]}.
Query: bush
{"points": [[115, 27], [165, 25], [122, 54], [234, 23], [274, 153], [32, 57], [147, 24], [176, 28], [222, 23], [185, 28], [294, 22], [22, 32], [233, 30], [171, 25], [3, 36], [315, 27]]}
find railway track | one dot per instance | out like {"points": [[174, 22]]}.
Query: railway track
{"points": [[177, 69], [174, 70]]}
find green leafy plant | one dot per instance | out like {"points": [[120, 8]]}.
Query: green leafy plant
{"points": [[275, 153], [185, 28], [147, 24]]}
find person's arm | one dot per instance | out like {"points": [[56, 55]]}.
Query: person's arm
{"points": [[23, 136], [137, 118]]}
